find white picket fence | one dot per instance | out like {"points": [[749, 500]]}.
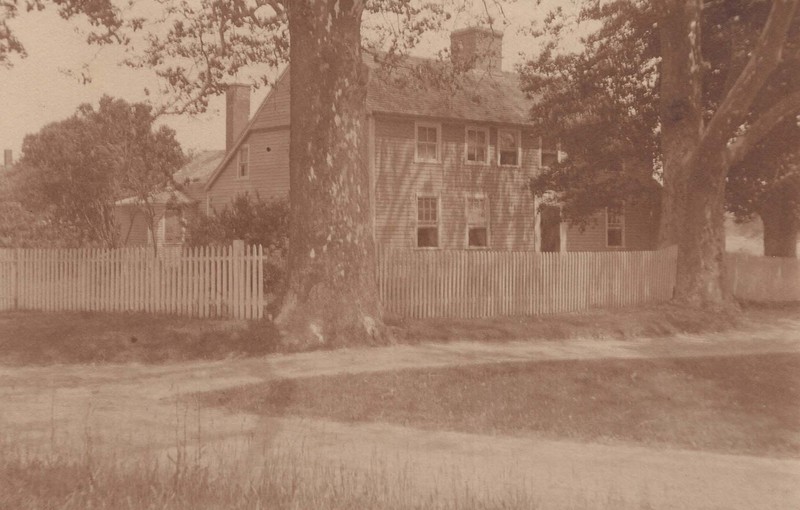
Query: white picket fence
{"points": [[753, 278], [224, 281], [227, 281], [465, 284]]}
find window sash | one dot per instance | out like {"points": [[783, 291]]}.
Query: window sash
{"points": [[477, 222], [427, 142], [244, 161], [427, 210], [508, 147], [477, 141], [615, 227], [427, 222]]}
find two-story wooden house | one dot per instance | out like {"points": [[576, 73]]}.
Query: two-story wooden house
{"points": [[450, 159]]}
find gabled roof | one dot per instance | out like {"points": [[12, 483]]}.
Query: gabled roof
{"points": [[430, 88], [420, 87], [243, 135], [199, 168]]}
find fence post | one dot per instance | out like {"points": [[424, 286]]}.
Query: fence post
{"points": [[238, 278]]}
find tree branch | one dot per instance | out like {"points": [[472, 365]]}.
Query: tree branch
{"points": [[766, 56], [786, 107]]}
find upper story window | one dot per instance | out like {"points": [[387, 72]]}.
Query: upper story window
{"points": [[508, 147], [428, 142], [615, 227], [477, 222], [243, 165], [427, 222], [477, 145]]}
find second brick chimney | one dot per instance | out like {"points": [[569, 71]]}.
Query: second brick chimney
{"points": [[8, 158], [478, 48], [237, 112]]}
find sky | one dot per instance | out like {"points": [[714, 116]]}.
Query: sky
{"points": [[46, 86]]}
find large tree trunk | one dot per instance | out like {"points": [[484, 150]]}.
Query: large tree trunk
{"points": [[680, 109], [331, 295], [701, 242], [781, 228]]}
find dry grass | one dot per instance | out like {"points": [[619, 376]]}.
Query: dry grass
{"points": [[730, 404], [284, 482], [44, 338], [622, 323]]}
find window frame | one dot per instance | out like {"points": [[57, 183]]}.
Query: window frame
{"points": [[518, 133], [429, 125], [620, 226], [477, 129], [487, 226], [418, 224], [246, 175]]}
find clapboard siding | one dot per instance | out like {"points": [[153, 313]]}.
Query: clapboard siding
{"points": [[132, 226], [399, 180], [274, 111], [641, 223], [269, 170]]}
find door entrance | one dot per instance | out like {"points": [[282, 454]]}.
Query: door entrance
{"points": [[551, 228]]}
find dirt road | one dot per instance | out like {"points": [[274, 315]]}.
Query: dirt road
{"points": [[131, 410]]}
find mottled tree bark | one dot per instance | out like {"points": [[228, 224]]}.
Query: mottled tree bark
{"points": [[331, 295], [697, 156], [681, 109]]}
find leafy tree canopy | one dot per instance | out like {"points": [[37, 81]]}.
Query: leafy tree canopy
{"points": [[75, 169], [603, 102]]}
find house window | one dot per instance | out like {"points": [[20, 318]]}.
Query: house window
{"points": [[477, 222], [477, 145], [244, 161], [615, 226], [427, 222], [508, 147], [428, 136], [549, 158]]}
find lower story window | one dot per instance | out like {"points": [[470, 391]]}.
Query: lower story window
{"points": [[427, 222], [477, 222], [615, 223]]}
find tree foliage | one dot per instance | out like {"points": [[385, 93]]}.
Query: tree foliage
{"points": [[253, 220], [607, 102], [75, 169]]}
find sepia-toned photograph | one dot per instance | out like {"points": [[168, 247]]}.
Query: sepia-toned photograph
{"points": [[400, 254]]}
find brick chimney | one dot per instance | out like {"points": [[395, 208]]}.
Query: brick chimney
{"points": [[8, 158], [237, 112], [478, 48]]}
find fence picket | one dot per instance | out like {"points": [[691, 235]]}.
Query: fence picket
{"points": [[227, 281]]}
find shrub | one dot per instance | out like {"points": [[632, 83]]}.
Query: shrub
{"points": [[253, 220]]}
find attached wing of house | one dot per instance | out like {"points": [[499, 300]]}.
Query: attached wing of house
{"points": [[170, 206]]}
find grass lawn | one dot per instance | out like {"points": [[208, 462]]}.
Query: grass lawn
{"points": [[43, 338], [731, 404], [620, 323]]}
